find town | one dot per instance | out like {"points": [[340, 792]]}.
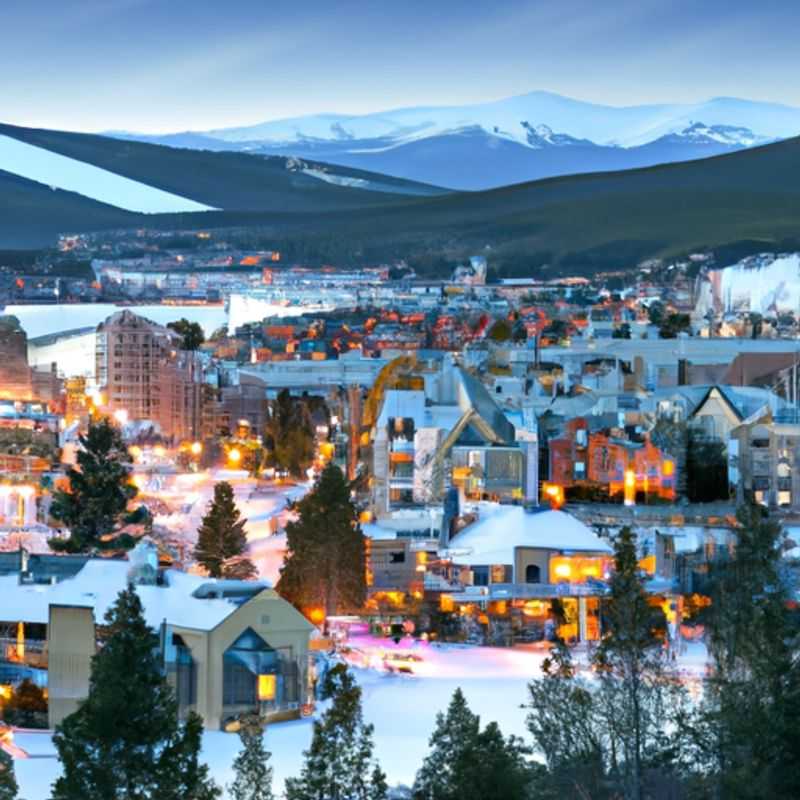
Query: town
{"points": [[440, 483]]}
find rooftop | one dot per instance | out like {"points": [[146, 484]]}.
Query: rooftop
{"points": [[501, 529]]}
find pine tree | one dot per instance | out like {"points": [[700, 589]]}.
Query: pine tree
{"points": [[636, 695], [221, 538], [253, 774], [325, 562], [99, 490], [290, 434], [498, 771], [454, 739], [467, 763], [339, 763], [8, 781], [124, 740], [747, 727], [567, 728]]}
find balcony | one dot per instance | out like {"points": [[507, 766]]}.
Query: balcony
{"points": [[530, 591]]}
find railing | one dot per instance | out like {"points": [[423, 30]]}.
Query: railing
{"points": [[530, 591]]}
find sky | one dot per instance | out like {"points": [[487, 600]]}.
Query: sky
{"points": [[173, 65]]}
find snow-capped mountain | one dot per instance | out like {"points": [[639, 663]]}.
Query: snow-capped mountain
{"points": [[539, 136], [532, 136], [626, 126], [730, 135]]}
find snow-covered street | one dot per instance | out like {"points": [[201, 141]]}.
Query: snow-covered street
{"points": [[262, 504], [402, 707]]}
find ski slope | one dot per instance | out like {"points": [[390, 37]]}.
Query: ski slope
{"points": [[60, 172]]}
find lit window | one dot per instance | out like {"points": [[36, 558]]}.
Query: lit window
{"points": [[266, 687]]}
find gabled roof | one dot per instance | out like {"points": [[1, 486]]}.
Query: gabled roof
{"points": [[489, 419], [97, 585], [494, 537]]}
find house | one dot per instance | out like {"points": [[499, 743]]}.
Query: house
{"points": [[524, 570], [610, 460], [227, 647]]}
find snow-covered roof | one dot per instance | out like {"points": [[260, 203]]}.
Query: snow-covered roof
{"points": [[97, 585], [494, 537]]}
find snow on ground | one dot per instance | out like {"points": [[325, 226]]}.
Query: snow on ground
{"points": [[262, 505], [402, 708], [62, 172]]}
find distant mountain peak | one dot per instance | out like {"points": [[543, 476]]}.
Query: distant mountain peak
{"points": [[733, 135], [541, 135]]}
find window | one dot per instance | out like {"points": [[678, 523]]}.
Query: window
{"points": [[243, 662], [185, 674], [533, 574], [480, 576], [397, 557]]}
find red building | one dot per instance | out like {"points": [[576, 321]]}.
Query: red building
{"points": [[608, 460]]}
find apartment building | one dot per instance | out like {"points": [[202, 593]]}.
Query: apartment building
{"points": [[764, 461], [144, 375]]}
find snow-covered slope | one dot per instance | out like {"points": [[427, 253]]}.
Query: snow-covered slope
{"points": [[61, 172], [760, 284]]}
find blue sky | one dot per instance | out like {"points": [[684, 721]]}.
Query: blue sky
{"points": [[163, 65]]}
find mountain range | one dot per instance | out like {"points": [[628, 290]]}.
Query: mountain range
{"points": [[518, 139], [742, 202]]}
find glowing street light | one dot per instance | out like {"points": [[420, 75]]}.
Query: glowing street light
{"points": [[196, 448], [234, 455], [121, 416]]}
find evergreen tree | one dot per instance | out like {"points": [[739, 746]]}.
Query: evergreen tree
{"points": [[221, 539], [747, 728], [99, 490], [325, 562], [8, 781], [339, 764], [290, 434], [636, 694], [568, 729], [124, 741], [498, 771], [467, 763], [253, 774], [452, 742], [707, 469]]}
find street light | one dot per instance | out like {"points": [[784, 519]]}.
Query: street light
{"points": [[196, 448], [234, 455]]}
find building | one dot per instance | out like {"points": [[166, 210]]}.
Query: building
{"points": [[18, 380], [228, 647], [764, 462], [521, 571], [449, 433], [611, 461], [143, 375]]}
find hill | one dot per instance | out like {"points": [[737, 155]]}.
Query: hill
{"points": [[33, 215], [748, 199], [225, 180]]}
